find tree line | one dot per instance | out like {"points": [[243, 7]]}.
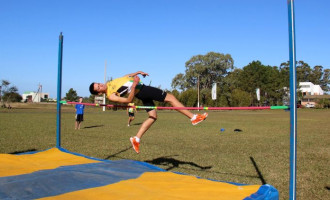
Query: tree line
{"points": [[237, 87]]}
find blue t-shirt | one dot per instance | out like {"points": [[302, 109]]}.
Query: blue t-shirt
{"points": [[80, 108]]}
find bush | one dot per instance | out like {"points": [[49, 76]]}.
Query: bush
{"points": [[323, 103], [240, 98]]}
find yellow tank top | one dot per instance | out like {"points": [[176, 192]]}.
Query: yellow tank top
{"points": [[121, 86], [131, 110]]}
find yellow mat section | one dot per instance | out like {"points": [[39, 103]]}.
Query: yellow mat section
{"points": [[27, 163], [163, 185]]}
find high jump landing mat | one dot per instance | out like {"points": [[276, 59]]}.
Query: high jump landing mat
{"points": [[59, 174]]}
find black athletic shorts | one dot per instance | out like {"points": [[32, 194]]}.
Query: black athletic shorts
{"points": [[131, 114], [79, 117], [148, 95]]}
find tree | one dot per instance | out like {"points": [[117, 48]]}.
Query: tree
{"points": [[305, 74], [71, 95], [91, 98], [303, 71], [325, 80], [189, 98], [176, 94], [285, 74], [208, 69], [240, 98], [238, 87], [256, 75], [252, 76], [316, 75], [4, 88], [179, 82], [323, 103], [273, 89], [12, 97], [9, 94], [230, 83]]}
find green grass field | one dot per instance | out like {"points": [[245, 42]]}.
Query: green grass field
{"points": [[258, 154]]}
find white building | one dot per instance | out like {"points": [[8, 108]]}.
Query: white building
{"points": [[308, 88], [34, 97], [311, 94]]}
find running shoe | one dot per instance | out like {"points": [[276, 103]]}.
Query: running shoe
{"points": [[199, 118], [135, 144]]}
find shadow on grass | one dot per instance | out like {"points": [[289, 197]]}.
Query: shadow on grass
{"points": [[226, 173], [119, 152], [174, 163], [327, 187], [171, 163], [137, 124], [260, 176], [96, 126], [18, 152]]}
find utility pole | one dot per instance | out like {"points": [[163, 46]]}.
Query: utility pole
{"points": [[198, 92], [40, 93], [0, 93], [105, 73]]}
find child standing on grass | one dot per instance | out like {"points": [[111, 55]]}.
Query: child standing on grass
{"points": [[131, 85], [79, 113], [130, 112]]}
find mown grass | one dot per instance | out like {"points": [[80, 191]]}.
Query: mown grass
{"points": [[258, 154]]}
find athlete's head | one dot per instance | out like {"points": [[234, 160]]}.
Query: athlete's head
{"points": [[97, 88], [91, 89]]}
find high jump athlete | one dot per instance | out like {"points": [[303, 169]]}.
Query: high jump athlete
{"points": [[130, 85]]}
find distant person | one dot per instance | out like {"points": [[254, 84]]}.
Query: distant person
{"points": [[130, 112], [79, 113], [131, 85]]}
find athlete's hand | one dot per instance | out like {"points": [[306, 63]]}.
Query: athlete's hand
{"points": [[144, 74]]}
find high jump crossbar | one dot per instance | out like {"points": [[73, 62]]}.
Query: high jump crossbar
{"points": [[182, 108]]}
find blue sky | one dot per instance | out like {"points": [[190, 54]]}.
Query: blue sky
{"points": [[155, 36]]}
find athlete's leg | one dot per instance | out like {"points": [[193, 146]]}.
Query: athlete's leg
{"points": [[129, 120], [76, 125], [176, 103], [147, 123]]}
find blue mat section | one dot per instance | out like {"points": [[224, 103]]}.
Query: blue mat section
{"points": [[71, 178], [265, 192]]}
